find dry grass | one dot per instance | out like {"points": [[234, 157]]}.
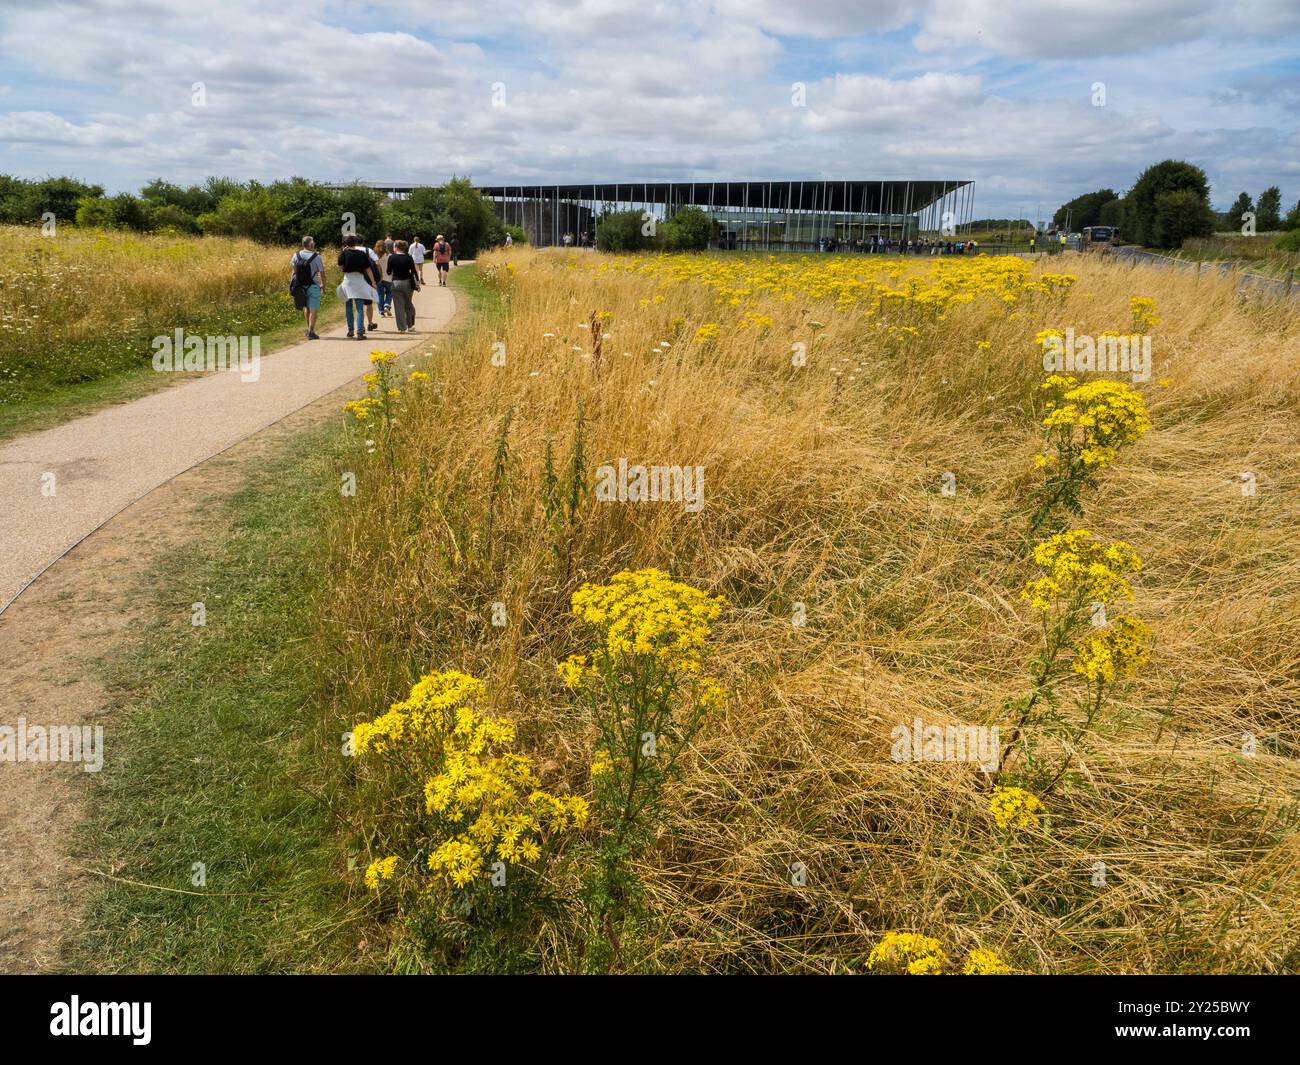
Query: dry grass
{"points": [[824, 488], [83, 304]]}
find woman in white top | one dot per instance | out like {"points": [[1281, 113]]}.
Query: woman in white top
{"points": [[417, 252]]}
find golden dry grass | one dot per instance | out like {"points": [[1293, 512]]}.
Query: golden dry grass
{"points": [[82, 304], [823, 487]]}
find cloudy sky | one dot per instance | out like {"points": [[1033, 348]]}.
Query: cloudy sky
{"points": [[1005, 92]]}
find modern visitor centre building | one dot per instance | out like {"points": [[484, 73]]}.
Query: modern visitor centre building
{"points": [[775, 215]]}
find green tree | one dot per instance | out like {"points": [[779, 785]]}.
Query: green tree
{"points": [[1268, 212], [1171, 175], [1084, 210], [61, 195], [1240, 208], [474, 223], [1111, 213], [364, 204], [1178, 216]]}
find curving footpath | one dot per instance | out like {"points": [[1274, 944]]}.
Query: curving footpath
{"points": [[100, 464]]}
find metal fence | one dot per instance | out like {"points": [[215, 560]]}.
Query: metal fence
{"points": [[1245, 280]]}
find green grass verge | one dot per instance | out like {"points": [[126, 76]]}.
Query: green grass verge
{"points": [[485, 303], [218, 755]]}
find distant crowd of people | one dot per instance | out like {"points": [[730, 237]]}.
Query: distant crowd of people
{"points": [[380, 278], [881, 245]]}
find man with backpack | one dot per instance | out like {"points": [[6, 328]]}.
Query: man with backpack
{"points": [[442, 259], [307, 282]]}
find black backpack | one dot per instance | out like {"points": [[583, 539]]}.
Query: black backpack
{"points": [[303, 275]]}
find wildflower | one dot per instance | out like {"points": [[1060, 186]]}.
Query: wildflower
{"points": [[380, 869], [425, 715], [417, 375], [647, 613], [1080, 570], [707, 332], [602, 764], [1119, 650], [378, 357], [1106, 414], [573, 671], [981, 962], [1014, 806], [908, 952], [1143, 309]]}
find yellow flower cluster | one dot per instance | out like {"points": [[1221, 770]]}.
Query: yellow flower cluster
{"points": [[490, 801], [647, 613], [1096, 418], [602, 764], [1143, 309], [377, 387], [425, 715], [1080, 570], [981, 962], [917, 955], [574, 672], [1119, 650], [380, 869], [849, 281], [1014, 806], [708, 331], [907, 952]]}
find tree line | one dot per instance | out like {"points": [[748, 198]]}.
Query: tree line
{"points": [[281, 212], [1170, 203]]}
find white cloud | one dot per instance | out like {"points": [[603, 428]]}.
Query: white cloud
{"points": [[611, 89]]}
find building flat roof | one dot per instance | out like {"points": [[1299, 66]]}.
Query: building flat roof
{"points": [[785, 194]]}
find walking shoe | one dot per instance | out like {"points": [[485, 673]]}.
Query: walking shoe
{"points": [[350, 334], [361, 336], [313, 336]]}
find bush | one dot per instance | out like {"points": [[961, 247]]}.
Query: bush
{"points": [[688, 230], [621, 231], [1289, 241], [171, 218], [123, 211]]}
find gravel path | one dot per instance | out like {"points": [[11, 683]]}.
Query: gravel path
{"points": [[60, 485]]}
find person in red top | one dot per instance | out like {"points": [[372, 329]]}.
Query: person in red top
{"points": [[442, 257]]}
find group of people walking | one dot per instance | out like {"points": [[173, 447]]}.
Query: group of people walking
{"points": [[380, 279]]}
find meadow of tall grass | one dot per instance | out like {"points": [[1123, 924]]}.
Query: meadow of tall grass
{"points": [[869, 437], [81, 305]]}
